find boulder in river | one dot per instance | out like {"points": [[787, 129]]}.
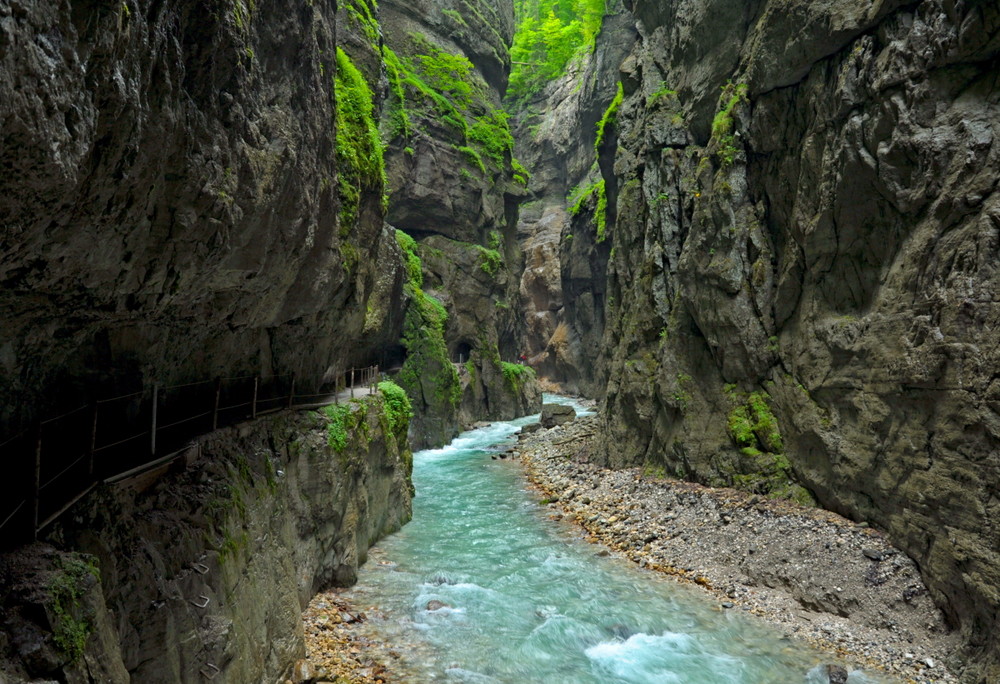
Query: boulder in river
{"points": [[556, 414], [837, 674]]}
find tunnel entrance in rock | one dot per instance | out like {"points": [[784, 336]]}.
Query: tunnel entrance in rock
{"points": [[392, 358], [461, 352]]}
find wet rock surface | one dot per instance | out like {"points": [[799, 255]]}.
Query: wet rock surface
{"points": [[816, 576]]}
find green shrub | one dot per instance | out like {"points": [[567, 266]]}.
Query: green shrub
{"points": [[398, 409], [65, 589], [492, 132], [490, 260], [339, 425], [722, 124], [516, 373]]}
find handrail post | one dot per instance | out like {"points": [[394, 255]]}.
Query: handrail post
{"points": [[256, 384], [93, 440], [352, 383], [215, 406], [152, 431], [36, 483], [291, 391], [336, 388]]}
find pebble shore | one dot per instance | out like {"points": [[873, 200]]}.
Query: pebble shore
{"points": [[818, 577]]}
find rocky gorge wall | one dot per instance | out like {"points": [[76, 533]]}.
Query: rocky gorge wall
{"points": [[800, 291], [172, 207], [202, 570], [563, 284], [455, 187]]}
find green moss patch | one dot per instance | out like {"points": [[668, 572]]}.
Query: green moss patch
{"points": [[71, 629], [609, 118], [361, 166], [762, 466], [435, 85], [516, 374]]}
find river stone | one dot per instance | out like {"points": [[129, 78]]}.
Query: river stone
{"points": [[531, 427], [556, 414], [437, 605], [837, 674]]}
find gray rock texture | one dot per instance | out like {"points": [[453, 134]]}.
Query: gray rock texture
{"points": [[211, 562], [806, 209], [563, 284], [463, 214], [556, 414], [169, 204]]}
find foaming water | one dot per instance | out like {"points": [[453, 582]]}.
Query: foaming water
{"points": [[482, 587]]}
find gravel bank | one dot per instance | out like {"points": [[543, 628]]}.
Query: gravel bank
{"points": [[338, 648], [816, 576]]}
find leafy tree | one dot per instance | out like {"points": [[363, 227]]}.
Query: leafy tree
{"points": [[550, 34]]}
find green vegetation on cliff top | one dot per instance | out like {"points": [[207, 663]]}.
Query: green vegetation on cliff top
{"points": [[516, 373], [398, 409], [550, 33]]}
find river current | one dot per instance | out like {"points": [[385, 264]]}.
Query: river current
{"points": [[483, 587]]}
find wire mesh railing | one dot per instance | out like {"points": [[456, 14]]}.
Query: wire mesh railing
{"points": [[60, 459]]}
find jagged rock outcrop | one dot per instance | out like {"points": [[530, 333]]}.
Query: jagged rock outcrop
{"points": [[170, 200], [203, 570], [563, 285], [803, 274], [455, 188]]}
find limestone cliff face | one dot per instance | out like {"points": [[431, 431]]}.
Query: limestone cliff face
{"points": [[455, 189], [170, 199], [208, 565], [804, 269], [563, 284]]}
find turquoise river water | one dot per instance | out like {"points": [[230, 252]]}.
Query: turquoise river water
{"points": [[527, 600]]}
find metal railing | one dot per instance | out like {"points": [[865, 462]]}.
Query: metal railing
{"points": [[57, 461]]}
